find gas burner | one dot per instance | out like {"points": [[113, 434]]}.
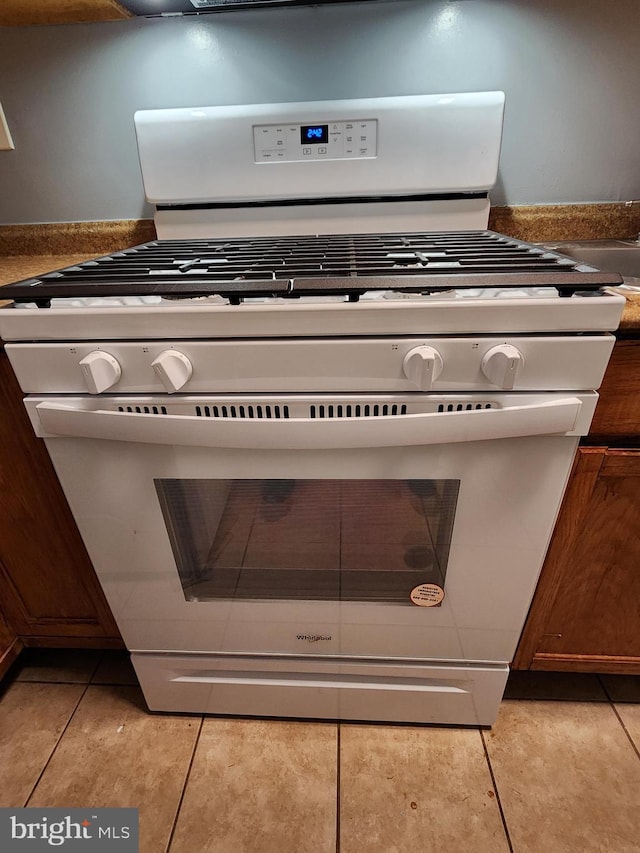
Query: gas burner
{"points": [[328, 265]]}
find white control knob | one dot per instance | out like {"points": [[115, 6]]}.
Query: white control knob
{"points": [[502, 364], [173, 368], [422, 366], [100, 370]]}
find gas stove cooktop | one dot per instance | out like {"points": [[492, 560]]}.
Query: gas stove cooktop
{"points": [[311, 266]]}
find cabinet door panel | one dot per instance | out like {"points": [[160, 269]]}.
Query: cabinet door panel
{"points": [[618, 411], [586, 612], [10, 645], [47, 583]]}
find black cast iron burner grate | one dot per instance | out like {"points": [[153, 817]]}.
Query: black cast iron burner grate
{"points": [[291, 267]]}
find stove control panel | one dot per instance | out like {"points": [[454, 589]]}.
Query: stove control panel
{"points": [[411, 363], [328, 140], [412, 144]]}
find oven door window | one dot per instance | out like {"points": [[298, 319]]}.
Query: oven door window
{"points": [[332, 540]]}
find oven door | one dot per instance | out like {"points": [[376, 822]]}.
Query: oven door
{"points": [[400, 526]]}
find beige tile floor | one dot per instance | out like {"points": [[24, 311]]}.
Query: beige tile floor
{"points": [[559, 772]]}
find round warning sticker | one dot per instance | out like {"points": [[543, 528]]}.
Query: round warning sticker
{"points": [[427, 594]]}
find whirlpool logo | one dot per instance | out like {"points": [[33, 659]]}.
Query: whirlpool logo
{"points": [[313, 638]]}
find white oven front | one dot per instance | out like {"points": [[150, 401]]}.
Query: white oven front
{"points": [[359, 533]]}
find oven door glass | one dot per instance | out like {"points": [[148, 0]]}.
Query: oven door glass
{"points": [[335, 540]]}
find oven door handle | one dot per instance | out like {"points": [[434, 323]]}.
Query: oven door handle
{"points": [[548, 418]]}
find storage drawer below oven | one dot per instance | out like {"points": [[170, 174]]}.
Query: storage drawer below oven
{"points": [[323, 689]]}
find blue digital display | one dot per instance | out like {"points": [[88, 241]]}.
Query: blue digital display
{"points": [[314, 133]]}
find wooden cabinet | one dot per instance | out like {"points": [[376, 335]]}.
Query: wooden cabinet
{"points": [[586, 612], [49, 592], [617, 416], [585, 615], [10, 645]]}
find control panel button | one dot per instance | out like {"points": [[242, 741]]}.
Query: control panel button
{"points": [[101, 371], [173, 368], [265, 137], [422, 366], [501, 365]]}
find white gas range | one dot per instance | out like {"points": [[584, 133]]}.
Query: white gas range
{"points": [[316, 436]]}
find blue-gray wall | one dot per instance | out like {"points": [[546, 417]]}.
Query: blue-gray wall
{"points": [[570, 70]]}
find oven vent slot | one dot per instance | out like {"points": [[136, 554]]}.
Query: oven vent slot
{"points": [[144, 410], [463, 407], [356, 410], [271, 412]]}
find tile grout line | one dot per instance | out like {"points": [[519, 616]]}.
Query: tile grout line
{"points": [[184, 787], [604, 687], [57, 744], [97, 667], [626, 731], [495, 788], [620, 720], [338, 789]]}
